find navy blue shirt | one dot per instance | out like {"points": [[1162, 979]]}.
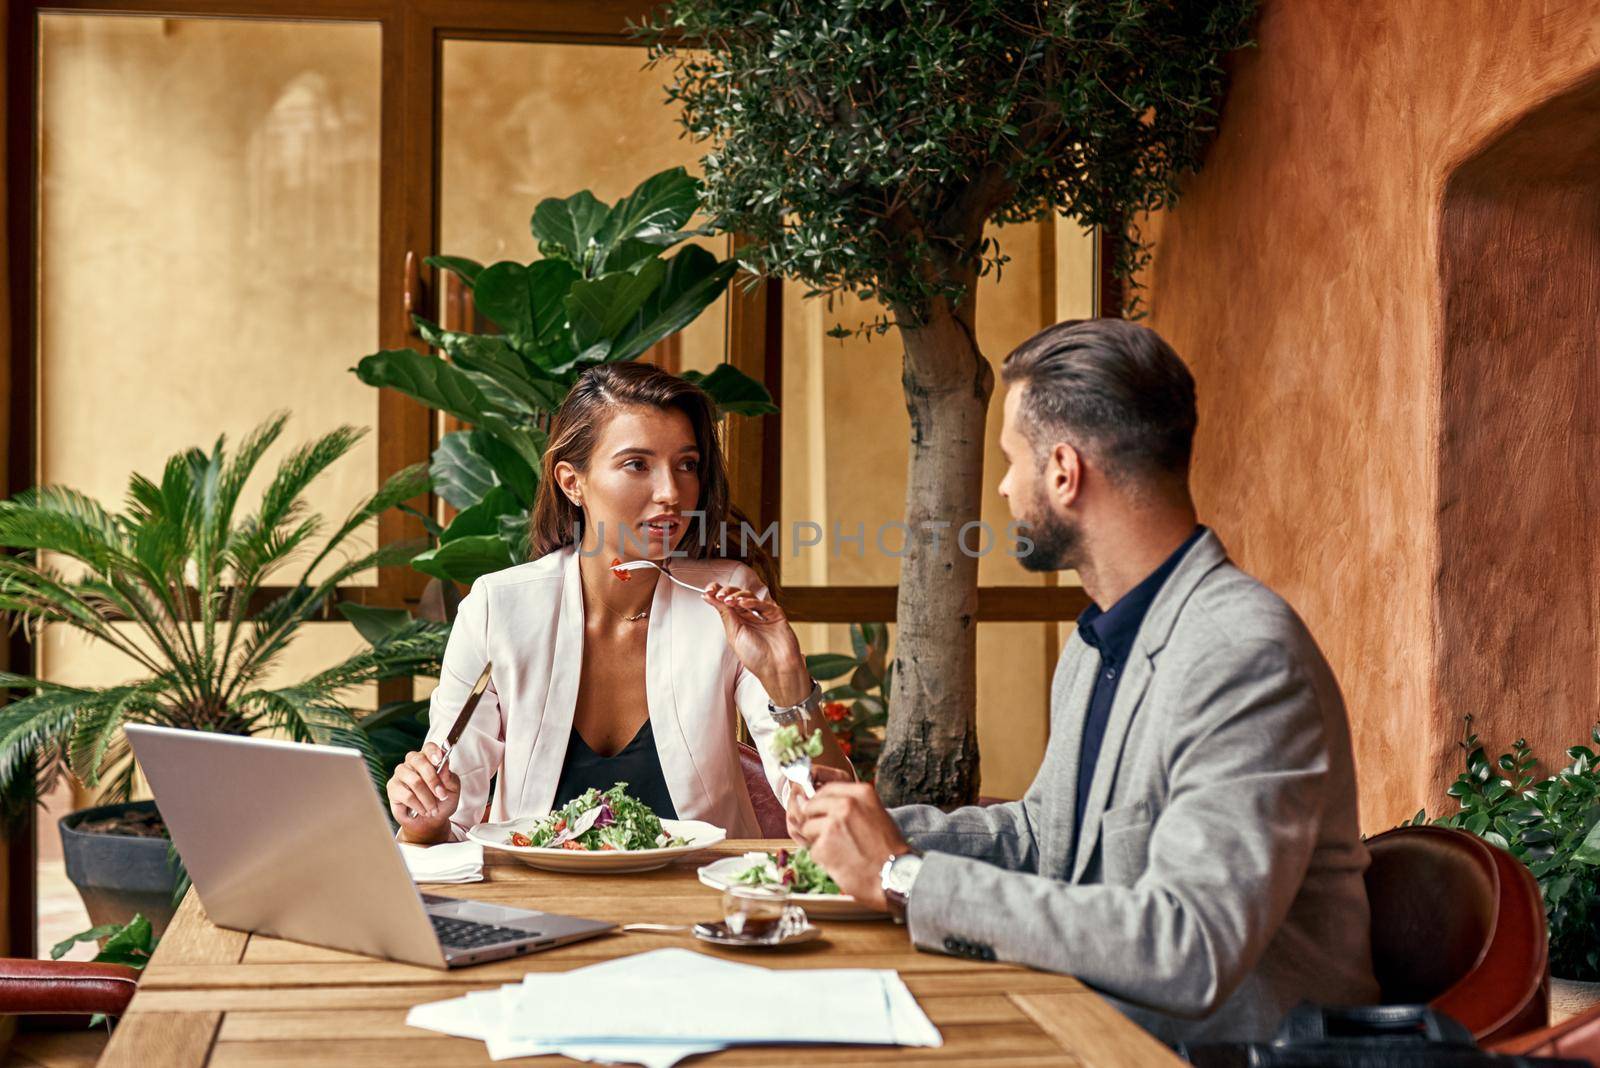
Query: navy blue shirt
{"points": [[1112, 633]]}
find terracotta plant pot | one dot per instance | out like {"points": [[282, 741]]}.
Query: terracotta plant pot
{"points": [[1569, 998], [119, 872]]}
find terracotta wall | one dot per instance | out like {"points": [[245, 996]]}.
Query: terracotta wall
{"points": [[1302, 276]]}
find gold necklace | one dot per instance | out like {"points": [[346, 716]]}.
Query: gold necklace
{"points": [[626, 619]]}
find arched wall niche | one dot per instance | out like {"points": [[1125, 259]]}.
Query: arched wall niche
{"points": [[1517, 590]]}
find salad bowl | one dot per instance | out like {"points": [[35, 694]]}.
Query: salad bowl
{"points": [[699, 835], [721, 874]]}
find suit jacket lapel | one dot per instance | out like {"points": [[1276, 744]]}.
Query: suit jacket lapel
{"points": [[1070, 708], [1201, 558], [1130, 692], [549, 747]]}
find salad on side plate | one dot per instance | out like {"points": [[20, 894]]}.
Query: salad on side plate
{"points": [[796, 870], [599, 820]]}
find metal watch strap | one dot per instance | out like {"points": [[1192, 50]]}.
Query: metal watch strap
{"points": [[811, 704]]}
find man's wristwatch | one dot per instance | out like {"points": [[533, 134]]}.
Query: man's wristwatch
{"points": [[812, 705], [897, 876]]}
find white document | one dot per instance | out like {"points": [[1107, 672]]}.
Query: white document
{"points": [[679, 1003]]}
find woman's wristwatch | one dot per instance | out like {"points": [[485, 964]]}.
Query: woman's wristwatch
{"points": [[812, 705], [898, 875]]}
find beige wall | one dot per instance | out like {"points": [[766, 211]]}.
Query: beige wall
{"points": [[208, 242], [1300, 276]]}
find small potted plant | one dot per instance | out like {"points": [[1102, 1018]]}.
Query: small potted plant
{"points": [[1553, 826], [177, 583], [857, 708]]}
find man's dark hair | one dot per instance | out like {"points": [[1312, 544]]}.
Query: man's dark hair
{"points": [[1112, 388]]}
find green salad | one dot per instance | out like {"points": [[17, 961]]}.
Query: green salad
{"points": [[619, 822], [787, 746], [796, 870]]}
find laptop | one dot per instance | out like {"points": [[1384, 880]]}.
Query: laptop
{"points": [[291, 840]]}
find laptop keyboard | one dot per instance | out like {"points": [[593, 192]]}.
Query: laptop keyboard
{"points": [[465, 934]]}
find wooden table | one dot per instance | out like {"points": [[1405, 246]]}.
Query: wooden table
{"points": [[217, 997]]}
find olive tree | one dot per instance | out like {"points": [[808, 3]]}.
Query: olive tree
{"points": [[865, 146]]}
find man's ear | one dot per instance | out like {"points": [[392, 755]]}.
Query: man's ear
{"points": [[1063, 474]]}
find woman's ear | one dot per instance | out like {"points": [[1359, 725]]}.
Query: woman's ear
{"points": [[568, 481]]}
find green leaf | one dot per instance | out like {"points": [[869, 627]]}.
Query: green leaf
{"points": [[466, 559], [130, 944], [1588, 851], [375, 623], [463, 472], [660, 205], [463, 268], [734, 391], [439, 385], [599, 308], [567, 228], [483, 517], [93, 934], [693, 280], [825, 666]]}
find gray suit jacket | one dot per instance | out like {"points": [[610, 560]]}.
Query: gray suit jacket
{"points": [[1218, 882]]}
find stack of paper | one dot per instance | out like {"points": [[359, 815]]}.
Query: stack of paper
{"points": [[657, 1008], [453, 862]]}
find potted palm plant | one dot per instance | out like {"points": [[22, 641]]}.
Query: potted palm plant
{"points": [[178, 582]]}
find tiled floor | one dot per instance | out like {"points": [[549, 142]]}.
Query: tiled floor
{"points": [[61, 912]]}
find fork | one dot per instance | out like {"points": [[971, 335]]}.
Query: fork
{"points": [[635, 565], [798, 771]]}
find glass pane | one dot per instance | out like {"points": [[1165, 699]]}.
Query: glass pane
{"points": [[523, 121], [208, 243], [1015, 665], [208, 255], [846, 433]]}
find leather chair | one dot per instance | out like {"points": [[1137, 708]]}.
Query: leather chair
{"points": [[769, 810], [1577, 1038], [1458, 925], [62, 987]]}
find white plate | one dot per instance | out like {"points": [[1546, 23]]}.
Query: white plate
{"points": [[498, 836], [719, 876]]}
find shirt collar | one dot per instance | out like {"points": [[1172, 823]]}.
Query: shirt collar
{"points": [[1112, 631]]}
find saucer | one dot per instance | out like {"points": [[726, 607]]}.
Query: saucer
{"points": [[718, 934]]}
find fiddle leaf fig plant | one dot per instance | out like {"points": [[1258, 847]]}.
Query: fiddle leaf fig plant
{"points": [[1551, 824], [604, 290]]}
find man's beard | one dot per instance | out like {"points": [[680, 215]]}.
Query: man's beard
{"points": [[1057, 542]]}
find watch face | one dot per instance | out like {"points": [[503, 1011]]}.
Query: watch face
{"points": [[903, 872]]}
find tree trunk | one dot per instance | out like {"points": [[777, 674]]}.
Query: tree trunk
{"points": [[930, 753]]}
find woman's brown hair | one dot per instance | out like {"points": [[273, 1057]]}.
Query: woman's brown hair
{"points": [[576, 429]]}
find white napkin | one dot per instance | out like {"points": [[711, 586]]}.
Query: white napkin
{"points": [[453, 862], [738, 1003]]}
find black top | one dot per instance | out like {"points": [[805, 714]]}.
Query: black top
{"points": [[1112, 633], [637, 764]]}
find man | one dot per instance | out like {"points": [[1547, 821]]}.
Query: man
{"points": [[1189, 847]]}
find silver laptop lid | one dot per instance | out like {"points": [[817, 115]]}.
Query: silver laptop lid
{"points": [[287, 839]]}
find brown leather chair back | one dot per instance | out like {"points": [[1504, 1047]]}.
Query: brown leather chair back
{"points": [[1577, 1038], [29, 987], [1458, 925], [769, 811]]}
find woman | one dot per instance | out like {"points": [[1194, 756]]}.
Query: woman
{"points": [[600, 676]]}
